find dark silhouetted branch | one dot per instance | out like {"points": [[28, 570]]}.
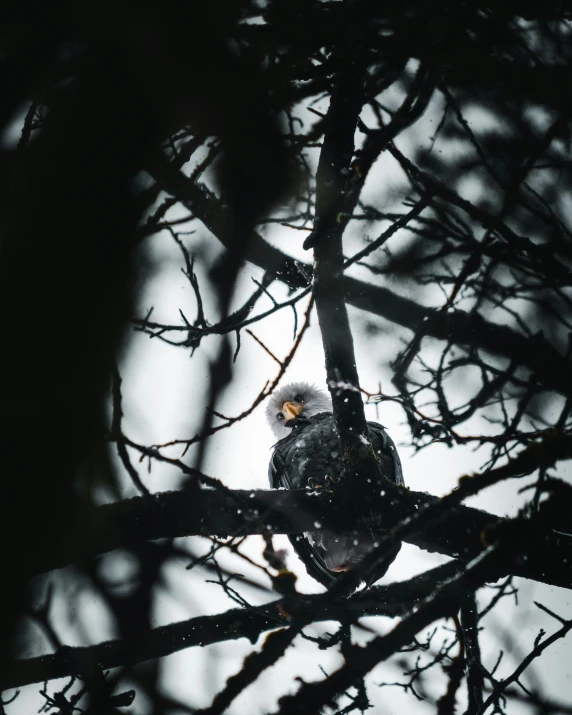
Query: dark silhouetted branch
{"points": [[457, 326], [312, 697], [392, 600], [458, 531]]}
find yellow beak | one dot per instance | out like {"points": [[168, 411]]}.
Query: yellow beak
{"points": [[292, 409]]}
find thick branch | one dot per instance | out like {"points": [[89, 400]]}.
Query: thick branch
{"points": [[393, 600], [331, 189], [459, 533]]}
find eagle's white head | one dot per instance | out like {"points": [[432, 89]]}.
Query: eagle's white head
{"points": [[293, 400]]}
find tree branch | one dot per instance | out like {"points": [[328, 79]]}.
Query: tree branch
{"points": [[459, 533], [393, 600], [457, 326], [443, 602], [332, 187], [538, 649]]}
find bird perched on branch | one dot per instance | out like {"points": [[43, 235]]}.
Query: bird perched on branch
{"points": [[308, 455]]}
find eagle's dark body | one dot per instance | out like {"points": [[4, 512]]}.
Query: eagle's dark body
{"points": [[309, 457]]}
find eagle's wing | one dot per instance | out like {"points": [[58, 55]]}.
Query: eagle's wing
{"points": [[279, 476], [312, 560], [390, 462], [391, 467]]}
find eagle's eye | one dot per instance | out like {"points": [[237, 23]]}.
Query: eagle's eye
{"points": [[279, 416], [298, 398]]}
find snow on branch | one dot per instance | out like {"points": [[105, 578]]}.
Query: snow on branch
{"points": [[454, 530]]}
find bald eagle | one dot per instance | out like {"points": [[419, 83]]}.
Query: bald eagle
{"points": [[307, 455]]}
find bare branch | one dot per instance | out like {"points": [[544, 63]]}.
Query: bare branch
{"points": [[438, 525], [392, 600], [538, 649]]}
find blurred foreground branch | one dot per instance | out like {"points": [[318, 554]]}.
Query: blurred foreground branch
{"points": [[392, 600]]}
